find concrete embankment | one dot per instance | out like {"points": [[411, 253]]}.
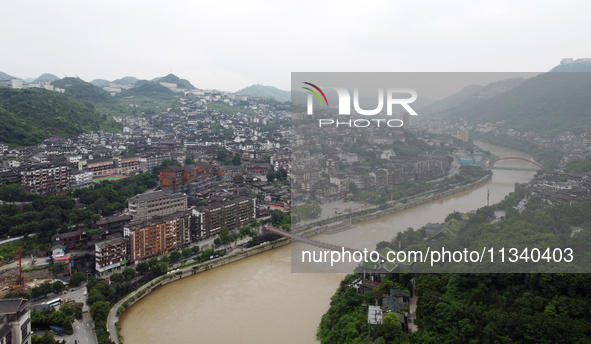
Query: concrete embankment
{"points": [[158, 282], [330, 226]]}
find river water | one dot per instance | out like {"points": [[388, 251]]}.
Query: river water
{"points": [[258, 299]]}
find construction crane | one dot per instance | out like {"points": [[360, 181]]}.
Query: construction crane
{"points": [[20, 281]]}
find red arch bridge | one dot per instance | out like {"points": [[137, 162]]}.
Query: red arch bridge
{"points": [[515, 158]]}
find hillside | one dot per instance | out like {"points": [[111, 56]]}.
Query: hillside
{"points": [[100, 83], [549, 103], [267, 92], [128, 80], [46, 77], [173, 79], [450, 101], [82, 90], [149, 89], [29, 116], [4, 76]]}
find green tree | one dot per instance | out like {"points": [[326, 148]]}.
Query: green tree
{"points": [[129, 273], [187, 252], [117, 278], [221, 155], [77, 278], [58, 286], [236, 160], [175, 256], [225, 235]]}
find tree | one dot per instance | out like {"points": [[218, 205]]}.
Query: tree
{"points": [[187, 252], [58, 286], [142, 267], [202, 203], [271, 177], [267, 157], [99, 311], [77, 278], [217, 242], [221, 155], [225, 235], [117, 278], [236, 160], [129, 273], [175, 256]]}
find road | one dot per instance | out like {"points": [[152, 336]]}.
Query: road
{"points": [[26, 261], [84, 332]]}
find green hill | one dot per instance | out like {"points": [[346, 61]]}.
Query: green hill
{"points": [[128, 80], [173, 79], [549, 103], [266, 92], [82, 90], [29, 116], [46, 77], [100, 83], [573, 67], [147, 88], [4, 76]]}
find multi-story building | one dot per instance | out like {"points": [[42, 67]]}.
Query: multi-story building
{"points": [[151, 160], [110, 254], [148, 205], [174, 179], [80, 179], [232, 214], [99, 167], [9, 177], [462, 135], [45, 178], [112, 224], [256, 166], [127, 164], [160, 235], [15, 322]]}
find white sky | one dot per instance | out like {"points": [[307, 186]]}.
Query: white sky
{"points": [[229, 45]]}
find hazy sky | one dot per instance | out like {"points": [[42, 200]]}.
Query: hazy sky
{"points": [[228, 45]]}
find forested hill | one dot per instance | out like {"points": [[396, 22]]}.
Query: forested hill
{"points": [[266, 91], [83, 91], [29, 116], [549, 103], [173, 79], [149, 89]]}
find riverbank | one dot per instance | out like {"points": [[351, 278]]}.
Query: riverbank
{"points": [[135, 296], [125, 303], [371, 214]]}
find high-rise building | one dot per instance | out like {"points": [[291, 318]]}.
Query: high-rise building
{"points": [[159, 235], [405, 117], [462, 135], [148, 205]]}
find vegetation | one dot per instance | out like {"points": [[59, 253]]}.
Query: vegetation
{"points": [[173, 79], [550, 158], [149, 89], [29, 116], [579, 166], [83, 91], [266, 92]]}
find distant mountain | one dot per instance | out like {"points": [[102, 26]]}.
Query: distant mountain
{"points": [[173, 79], [82, 90], [549, 103], [100, 83], [4, 76], [46, 77], [128, 80], [149, 89], [448, 102], [29, 116], [571, 65], [267, 92], [29, 80]]}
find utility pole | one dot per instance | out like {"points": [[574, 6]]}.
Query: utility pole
{"points": [[487, 197]]}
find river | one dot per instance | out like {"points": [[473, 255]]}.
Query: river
{"points": [[258, 299]]}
